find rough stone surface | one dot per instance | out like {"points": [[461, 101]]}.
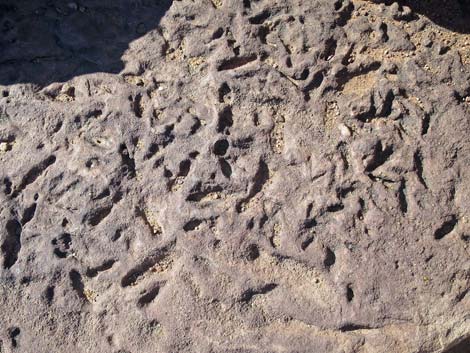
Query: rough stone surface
{"points": [[234, 176]]}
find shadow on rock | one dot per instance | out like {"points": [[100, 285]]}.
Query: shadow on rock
{"points": [[44, 41], [461, 346], [451, 14]]}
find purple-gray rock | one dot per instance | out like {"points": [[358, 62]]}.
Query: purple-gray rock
{"points": [[234, 176]]}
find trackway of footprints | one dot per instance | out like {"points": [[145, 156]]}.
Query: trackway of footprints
{"points": [[260, 177]]}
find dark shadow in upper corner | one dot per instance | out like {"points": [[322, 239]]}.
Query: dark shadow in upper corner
{"points": [[453, 15], [45, 41]]}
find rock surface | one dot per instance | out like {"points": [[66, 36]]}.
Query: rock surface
{"points": [[234, 176]]}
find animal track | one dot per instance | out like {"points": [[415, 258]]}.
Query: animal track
{"points": [[225, 168], [158, 261], [28, 214], [349, 293], [49, 294], [137, 105], [306, 243], [260, 17], [236, 62], [403, 203], [447, 227], [330, 258], [98, 215], [183, 171], [7, 186], [34, 173], [77, 283], [201, 193], [249, 294], [418, 164], [105, 266], [351, 327], [14, 333], [149, 295], [225, 120], [192, 225], [380, 155], [260, 179], [128, 162], [11, 246], [62, 245], [224, 91], [221, 147]]}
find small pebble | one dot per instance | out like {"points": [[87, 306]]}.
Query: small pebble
{"points": [[3, 146], [344, 130]]}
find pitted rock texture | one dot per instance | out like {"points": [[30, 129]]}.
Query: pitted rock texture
{"points": [[253, 176]]}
